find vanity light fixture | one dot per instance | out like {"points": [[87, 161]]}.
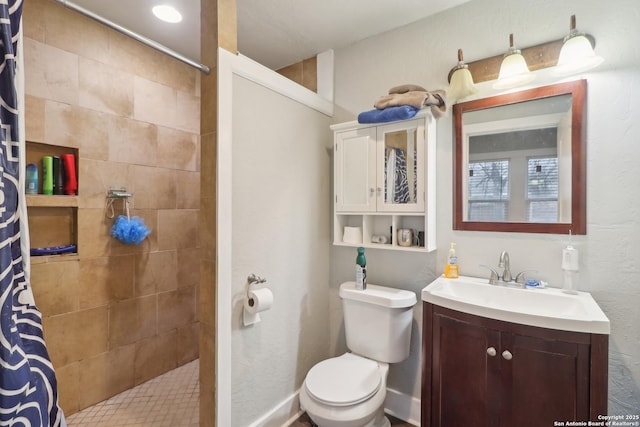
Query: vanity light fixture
{"points": [[513, 71], [167, 13], [577, 53], [460, 81]]}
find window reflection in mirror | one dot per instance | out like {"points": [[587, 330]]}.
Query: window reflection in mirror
{"points": [[519, 163]]}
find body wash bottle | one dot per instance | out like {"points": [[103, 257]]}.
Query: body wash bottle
{"points": [[451, 269]]}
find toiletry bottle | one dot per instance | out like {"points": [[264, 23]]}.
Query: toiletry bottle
{"points": [[451, 269], [570, 268], [361, 270], [31, 181], [47, 175]]}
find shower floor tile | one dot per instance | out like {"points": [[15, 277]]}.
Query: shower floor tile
{"points": [[170, 400]]}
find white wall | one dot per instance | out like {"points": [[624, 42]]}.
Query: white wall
{"points": [[423, 53], [280, 230]]}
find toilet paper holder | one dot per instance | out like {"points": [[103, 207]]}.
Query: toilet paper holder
{"points": [[248, 317]]}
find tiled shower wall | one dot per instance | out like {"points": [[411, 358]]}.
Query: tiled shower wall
{"points": [[116, 315]]}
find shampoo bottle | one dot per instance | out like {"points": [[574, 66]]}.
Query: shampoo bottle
{"points": [[451, 269], [361, 270]]}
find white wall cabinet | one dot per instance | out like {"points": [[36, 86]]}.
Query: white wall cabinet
{"points": [[384, 181]]}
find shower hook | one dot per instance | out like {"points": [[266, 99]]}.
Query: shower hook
{"points": [[114, 194]]}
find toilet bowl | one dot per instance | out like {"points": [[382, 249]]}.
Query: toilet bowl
{"points": [[349, 390], [346, 391]]}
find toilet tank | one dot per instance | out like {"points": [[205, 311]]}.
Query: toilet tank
{"points": [[378, 321]]}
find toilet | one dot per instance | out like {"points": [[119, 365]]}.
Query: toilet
{"points": [[349, 390]]}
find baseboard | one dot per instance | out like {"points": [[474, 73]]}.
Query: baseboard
{"points": [[403, 406], [282, 415]]}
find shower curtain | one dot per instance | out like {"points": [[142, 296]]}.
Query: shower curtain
{"points": [[28, 391]]}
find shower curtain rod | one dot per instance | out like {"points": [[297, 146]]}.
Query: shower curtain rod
{"points": [[142, 39]]}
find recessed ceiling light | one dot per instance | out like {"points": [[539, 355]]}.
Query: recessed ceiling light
{"points": [[167, 13]]}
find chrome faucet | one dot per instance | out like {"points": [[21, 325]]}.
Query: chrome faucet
{"points": [[504, 263]]}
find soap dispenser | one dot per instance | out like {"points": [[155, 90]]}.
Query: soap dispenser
{"points": [[451, 269], [570, 268]]}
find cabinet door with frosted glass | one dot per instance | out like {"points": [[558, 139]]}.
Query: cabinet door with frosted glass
{"points": [[355, 170], [401, 163]]}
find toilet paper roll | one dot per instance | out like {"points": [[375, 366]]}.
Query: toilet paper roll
{"points": [[258, 301]]}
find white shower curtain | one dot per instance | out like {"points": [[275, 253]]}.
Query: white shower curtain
{"points": [[28, 389]]}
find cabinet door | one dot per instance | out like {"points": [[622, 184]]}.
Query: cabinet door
{"points": [[401, 164], [543, 381], [465, 373], [355, 170]]}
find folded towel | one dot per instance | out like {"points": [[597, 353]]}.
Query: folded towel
{"points": [[406, 88], [391, 114], [418, 99]]}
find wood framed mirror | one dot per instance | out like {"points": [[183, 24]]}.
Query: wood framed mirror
{"points": [[520, 161]]}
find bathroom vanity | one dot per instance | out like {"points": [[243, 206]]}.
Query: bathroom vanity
{"points": [[496, 356]]}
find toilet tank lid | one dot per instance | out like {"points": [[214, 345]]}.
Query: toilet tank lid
{"points": [[379, 295]]}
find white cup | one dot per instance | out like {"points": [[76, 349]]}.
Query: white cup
{"points": [[405, 237]]}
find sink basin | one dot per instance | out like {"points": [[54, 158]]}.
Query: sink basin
{"points": [[546, 308]]}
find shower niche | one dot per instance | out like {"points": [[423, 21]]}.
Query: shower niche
{"points": [[384, 181], [53, 219]]}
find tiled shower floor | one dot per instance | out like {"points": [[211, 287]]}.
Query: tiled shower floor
{"points": [[170, 400]]}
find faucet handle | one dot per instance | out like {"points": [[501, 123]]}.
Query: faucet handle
{"points": [[521, 278], [493, 279]]}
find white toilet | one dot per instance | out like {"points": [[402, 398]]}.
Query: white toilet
{"points": [[349, 390]]}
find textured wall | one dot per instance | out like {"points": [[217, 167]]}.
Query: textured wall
{"points": [[116, 315], [281, 195], [423, 53]]}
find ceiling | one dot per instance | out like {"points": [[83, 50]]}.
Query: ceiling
{"points": [[274, 33]]}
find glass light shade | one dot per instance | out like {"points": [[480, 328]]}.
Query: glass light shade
{"points": [[461, 84], [513, 71], [576, 55], [167, 13]]}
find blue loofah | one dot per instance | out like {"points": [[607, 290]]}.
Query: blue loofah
{"points": [[130, 231]]}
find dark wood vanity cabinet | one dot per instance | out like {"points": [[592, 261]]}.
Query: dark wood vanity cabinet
{"points": [[484, 372]]}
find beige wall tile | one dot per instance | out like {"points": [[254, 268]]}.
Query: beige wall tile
{"points": [[188, 267], [155, 356], [63, 27], [103, 280], [177, 149], [76, 336], [93, 233], [33, 13], [156, 272], [73, 126], [187, 343], [106, 375], [132, 141], [310, 73], [34, 118], [176, 308], [132, 320], [187, 112], [154, 102], [155, 188], [96, 177], [69, 388], [177, 229], [50, 72], [104, 88], [187, 190], [55, 287]]}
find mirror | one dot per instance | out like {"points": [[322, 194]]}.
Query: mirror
{"points": [[520, 161]]}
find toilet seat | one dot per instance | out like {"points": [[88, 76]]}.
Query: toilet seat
{"points": [[343, 381]]}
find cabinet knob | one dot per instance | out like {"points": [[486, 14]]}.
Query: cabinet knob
{"points": [[491, 351], [507, 355], [372, 191], [379, 191]]}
